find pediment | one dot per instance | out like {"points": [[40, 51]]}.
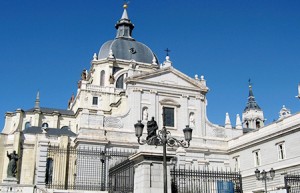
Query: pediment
{"points": [[168, 77]]}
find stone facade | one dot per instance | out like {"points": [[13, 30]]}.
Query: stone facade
{"points": [[121, 88]]}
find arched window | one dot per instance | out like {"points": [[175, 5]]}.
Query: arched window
{"points": [[257, 124], [120, 82], [102, 78], [65, 127], [247, 124], [27, 124], [45, 125]]}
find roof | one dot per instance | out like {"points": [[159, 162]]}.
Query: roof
{"points": [[251, 104], [50, 131], [126, 49], [52, 110]]}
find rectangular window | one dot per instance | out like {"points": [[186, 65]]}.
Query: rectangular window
{"points": [[236, 163], [95, 101], [256, 154], [168, 116], [281, 151]]}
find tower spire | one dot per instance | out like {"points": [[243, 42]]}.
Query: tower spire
{"points": [[37, 101], [124, 26], [253, 116], [251, 104]]}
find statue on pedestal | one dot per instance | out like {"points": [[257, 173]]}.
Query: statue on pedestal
{"points": [[151, 128], [12, 164]]}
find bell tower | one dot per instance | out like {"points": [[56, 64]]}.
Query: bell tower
{"points": [[253, 116]]}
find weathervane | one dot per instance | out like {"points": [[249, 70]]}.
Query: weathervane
{"points": [[249, 81], [167, 51]]}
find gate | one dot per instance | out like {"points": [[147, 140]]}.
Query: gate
{"points": [[205, 181], [292, 183], [82, 168]]}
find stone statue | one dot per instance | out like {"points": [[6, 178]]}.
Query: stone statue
{"points": [[145, 114], [151, 128], [192, 120], [84, 74], [111, 79], [12, 164]]}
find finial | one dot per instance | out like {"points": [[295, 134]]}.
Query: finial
{"points": [[125, 6], [154, 60], [111, 54], [196, 77], [238, 122], [249, 82], [95, 57], [227, 122], [37, 101], [298, 96]]}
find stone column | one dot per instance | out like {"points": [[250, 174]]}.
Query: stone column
{"points": [[41, 159], [148, 176]]}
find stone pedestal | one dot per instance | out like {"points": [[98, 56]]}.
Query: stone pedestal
{"points": [[148, 176]]}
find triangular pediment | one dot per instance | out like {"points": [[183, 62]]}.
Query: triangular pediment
{"points": [[168, 76]]}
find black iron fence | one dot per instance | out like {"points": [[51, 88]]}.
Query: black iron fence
{"points": [[121, 177], [82, 168], [185, 180], [292, 183]]}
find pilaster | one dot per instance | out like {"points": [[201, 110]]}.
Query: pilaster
{"points": [[41, 159]]}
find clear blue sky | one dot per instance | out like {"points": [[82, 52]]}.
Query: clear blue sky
{"points": [[44, 45]]}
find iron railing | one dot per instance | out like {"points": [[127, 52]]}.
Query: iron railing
{"points": [[292, 183], [186, 180], [121, 177], [81, 168]]}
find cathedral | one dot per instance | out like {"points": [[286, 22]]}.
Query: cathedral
{"points": [[125, 83]]}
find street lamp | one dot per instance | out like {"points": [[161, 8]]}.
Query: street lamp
{"points": [[264, 177], [163, 138], [102, 159]]}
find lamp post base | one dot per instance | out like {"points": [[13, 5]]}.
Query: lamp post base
{"points": [[149, 169]]}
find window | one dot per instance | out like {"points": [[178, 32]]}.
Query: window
{"points": [[256, 154], [65, 127], [95, 101], [45, 125], [257, 124], [120, 82], [27, 124], [281, 151], [247, 124], [102, 78], [236, 163], [168, 116]]}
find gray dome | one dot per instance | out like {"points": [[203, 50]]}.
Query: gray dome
{"points": [[127, 49]]}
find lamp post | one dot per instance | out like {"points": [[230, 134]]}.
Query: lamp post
{"points": [[102, 159], [264, 177], [163, 138]]}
